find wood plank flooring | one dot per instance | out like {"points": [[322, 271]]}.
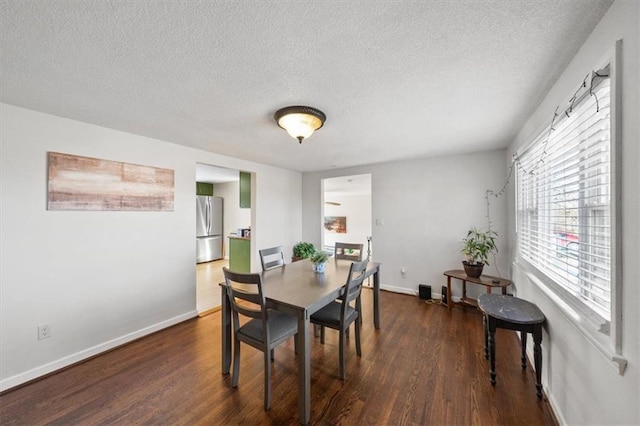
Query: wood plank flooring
{"points": [[208, 275], [424, 366]]}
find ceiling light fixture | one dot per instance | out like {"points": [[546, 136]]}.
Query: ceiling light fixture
{"points": [[300, 121]]}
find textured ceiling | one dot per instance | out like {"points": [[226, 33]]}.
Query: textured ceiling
{"points": [[397, 79]]}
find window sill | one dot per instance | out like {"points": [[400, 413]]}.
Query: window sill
{"points": [[617, 361]]}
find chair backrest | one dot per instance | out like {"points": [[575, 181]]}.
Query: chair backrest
{"points": [[354, 283], [245, 296], [272, 257], [349, 251]]}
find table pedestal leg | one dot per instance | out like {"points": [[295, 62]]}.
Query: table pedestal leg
{"points": [[523, 356], [449, 301], [304, 370], [226, 332], [537, 357], [486, 336], [492, 351], [376, 299]]}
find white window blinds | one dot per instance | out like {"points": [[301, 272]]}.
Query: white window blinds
{"points": [[564, 205]]}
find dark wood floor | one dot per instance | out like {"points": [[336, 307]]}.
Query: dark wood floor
{"points": [[424, 366]]}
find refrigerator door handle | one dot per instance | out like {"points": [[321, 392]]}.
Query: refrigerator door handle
{"points": [[208, 219], [210, 215]]}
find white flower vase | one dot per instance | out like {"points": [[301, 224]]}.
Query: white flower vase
{"points": [[320, 267]]}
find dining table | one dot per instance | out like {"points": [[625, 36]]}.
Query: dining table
{"points": [[297, 290]]}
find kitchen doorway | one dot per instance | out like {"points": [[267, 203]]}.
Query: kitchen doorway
{"points": [[347, 212], [221, 183]]}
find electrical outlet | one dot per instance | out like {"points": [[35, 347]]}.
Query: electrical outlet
{"points": [[44, 331]]}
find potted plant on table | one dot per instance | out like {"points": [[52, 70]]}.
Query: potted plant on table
{"points": [[477, 246], [302, 250], [319, 260]]}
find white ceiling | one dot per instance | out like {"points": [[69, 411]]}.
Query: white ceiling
{"points": [[397, 79]]}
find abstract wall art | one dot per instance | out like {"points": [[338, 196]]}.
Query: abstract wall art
{"points": [[84, 183], [337, 224]]}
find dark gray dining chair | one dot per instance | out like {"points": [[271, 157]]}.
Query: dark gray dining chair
{"points": [[339, 314], [272, 257], [348, 251], [265, 329]]}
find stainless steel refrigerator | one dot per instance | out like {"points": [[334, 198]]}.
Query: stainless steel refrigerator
{"points": [[208, 228]]}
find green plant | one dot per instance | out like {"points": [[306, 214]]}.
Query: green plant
{"points": [[304, 250], [320, 257], [478, 245]]}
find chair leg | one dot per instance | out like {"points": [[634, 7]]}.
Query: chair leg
{"points": [[273, 354], [357, 331], [236, 363], [267, 381], [322, 335], [341, 352], [295, 343]]}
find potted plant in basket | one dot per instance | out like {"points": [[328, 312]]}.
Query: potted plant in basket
{"points": [[478, 245], [319, 260], [302, 250]]}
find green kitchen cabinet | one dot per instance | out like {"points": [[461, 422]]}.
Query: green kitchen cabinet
{"points": [[245, 190], [240, 254], [203, 188]]}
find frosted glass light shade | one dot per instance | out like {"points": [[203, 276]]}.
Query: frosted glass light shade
{"points": [[300, 121]]}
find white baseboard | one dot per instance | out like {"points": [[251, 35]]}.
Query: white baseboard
{"points": [[58, 364], [554, 406], [403, 290], [398, 289]]}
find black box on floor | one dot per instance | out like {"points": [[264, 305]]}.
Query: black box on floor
{"points": [[424, 291], [444, 295]]}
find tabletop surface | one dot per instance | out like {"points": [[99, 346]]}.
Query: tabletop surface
{"points": [[486, 280], [509, 308], [297, 285]]}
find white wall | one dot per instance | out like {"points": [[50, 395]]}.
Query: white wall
{"points": [[426, 206], [280, 218], [583, 386], [104, 278], [357, 209]]}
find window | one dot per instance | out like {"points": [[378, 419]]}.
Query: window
{"points": [[565, 211]]}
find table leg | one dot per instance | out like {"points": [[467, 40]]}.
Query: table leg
{"points": [[449, 301], [523, 357], [304, 370], [376, 298], [492, 350], [486, 336], [537, 357], [226, 332]]}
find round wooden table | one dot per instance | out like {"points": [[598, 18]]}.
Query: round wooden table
{"points": [[512, 313]]}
